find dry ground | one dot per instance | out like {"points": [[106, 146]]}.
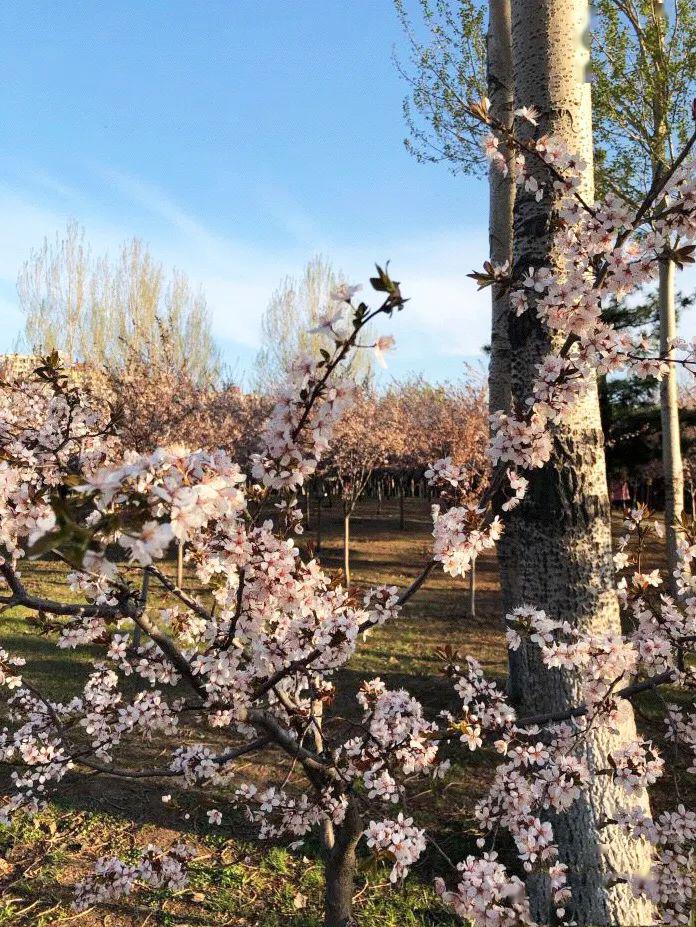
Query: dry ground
{"points": [[235, 879]]}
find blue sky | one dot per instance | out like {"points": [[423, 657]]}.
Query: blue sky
{"points": [[238, 138]]}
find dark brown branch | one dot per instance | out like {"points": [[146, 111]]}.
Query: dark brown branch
{"points": [[220, 760], [417, 583], [21, 596], [288, 743], [171, 652], [581, 710], [184, 597]]}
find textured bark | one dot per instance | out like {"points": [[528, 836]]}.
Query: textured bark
{"points": [[672, 466], [501, 199], [340, 870], [558, 543]]}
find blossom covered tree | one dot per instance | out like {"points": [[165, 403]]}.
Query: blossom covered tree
{"points": [[255, 653], [259, 666], [362, 442], [160, 402], [436, 421], [255, 661]]}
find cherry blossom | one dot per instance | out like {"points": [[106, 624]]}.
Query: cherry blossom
{"points": [[257, 649]]}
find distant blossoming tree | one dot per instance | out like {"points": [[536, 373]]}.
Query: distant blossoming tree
{"points": [[362, 442]]}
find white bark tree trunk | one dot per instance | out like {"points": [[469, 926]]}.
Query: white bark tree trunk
{"points": [[672, 466], [501, 199], [558, 543]]}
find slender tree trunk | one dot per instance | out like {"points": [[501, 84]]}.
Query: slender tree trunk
{"points": [[558, 542], [402, 517], [346, 546], [501, 202], [307, 511], [472, 589], [319, 508], [180, 564], [379, 497], [669, 401], [340, 870], [501, 199], [672, 467]]}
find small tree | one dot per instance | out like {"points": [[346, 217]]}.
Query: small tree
{"points": [[445, 420], [363, 439]]}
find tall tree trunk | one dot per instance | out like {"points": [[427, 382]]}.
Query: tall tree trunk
{"points": [[558, 542], [340, 870], [346, 546], [501, 193], [672, 467], [402, 517], [501, 202]]}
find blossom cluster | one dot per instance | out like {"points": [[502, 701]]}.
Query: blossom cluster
{"points": [[400, 839], [111, 878]]}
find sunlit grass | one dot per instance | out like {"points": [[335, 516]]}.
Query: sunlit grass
{"points": [[235, 880]]}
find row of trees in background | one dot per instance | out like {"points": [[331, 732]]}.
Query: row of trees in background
{"points": [[154, 359], [145, 339], [390, 440]]}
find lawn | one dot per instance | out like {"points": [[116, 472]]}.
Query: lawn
{"points": [[235, 879]]}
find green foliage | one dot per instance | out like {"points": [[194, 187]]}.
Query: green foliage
{"points": [[630, 406], [644, 76], [445, 68]]}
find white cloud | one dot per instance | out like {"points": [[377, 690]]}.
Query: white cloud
{"points": [[444, 317], [444, 320]]}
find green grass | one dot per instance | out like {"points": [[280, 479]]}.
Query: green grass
{"points": [[235, 879]]}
